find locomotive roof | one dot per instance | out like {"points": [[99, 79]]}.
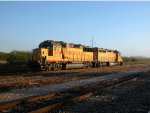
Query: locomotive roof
{"points": [[109, 50], [49, 43]]}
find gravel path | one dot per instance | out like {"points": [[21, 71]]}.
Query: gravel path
{"points": [[130, 97], [23, 93]]}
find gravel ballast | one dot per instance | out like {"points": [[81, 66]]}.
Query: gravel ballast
{"points": [[26, 93], [130, 97]]}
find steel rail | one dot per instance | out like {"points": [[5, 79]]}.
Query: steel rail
{"points": [[95, 86], [85, 95]]}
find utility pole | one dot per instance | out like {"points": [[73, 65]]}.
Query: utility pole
{"points": [[92, 41]]}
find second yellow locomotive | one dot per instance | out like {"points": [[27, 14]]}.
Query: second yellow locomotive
{"points": [[53, 55]]}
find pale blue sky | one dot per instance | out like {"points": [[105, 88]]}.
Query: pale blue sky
{"points": [[124, 26]]}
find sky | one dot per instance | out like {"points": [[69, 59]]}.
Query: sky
{"points": [[123, 26]]}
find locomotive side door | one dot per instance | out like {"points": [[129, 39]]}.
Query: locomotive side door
{"points": [[57, 53]]}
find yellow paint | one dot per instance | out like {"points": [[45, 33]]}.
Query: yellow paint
{"points": [[59, 54]]}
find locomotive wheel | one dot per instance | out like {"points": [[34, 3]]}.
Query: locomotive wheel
{"points": [[121, 63], [93, 64], [43, 68], [108, 64], [97, 64], [53, 66], [49, 67], [100, 64], [63, 66], [87, 65], [58, 66], [90, 65], [84, 67]]}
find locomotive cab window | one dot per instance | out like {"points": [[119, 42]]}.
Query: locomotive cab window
{"points": [[50, 52]]}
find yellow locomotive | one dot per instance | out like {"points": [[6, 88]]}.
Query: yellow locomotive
{"points": [[54, 55]]}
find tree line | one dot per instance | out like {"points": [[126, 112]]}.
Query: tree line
{"points": [[21, 57], [15, 57], [136, 59]]}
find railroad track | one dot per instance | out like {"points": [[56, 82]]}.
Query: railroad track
{"points": [[51, 101], [31, 83]]}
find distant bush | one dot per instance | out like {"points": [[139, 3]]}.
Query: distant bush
{"points": [[15, 62], [20, 57], [3, 56], [132, 60], [15, 57]]}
